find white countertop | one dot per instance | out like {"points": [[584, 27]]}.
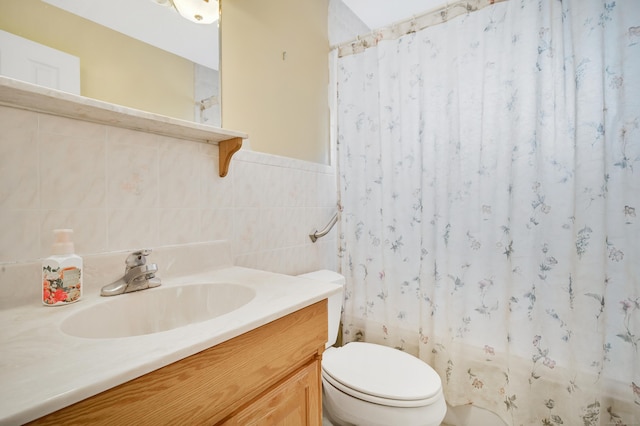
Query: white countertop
{"points": [[42, 369]]}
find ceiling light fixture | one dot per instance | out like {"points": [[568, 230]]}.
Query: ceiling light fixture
{"points": [[198, 11]]}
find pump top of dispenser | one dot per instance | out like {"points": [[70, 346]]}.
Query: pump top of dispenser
{"points": [[62, 242]]}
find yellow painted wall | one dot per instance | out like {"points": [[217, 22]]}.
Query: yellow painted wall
{"points": [[113, 67], [275, 75]]}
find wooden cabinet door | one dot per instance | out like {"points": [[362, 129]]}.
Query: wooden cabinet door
{"points": [[294, 402]]}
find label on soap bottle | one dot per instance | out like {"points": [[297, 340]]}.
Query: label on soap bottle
{"points": [[60, 285]]}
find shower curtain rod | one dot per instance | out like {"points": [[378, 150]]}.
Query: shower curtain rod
{"points": [[416, 23]]}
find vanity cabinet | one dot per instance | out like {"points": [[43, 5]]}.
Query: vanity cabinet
{"points": [[268, 376]]}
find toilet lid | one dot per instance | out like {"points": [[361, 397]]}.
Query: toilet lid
{"points": [[381, 374]]}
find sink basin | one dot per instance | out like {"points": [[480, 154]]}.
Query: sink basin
{"points": [[155, 310]]}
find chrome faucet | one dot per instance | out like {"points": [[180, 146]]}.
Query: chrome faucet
{"points": [[137, 275]]}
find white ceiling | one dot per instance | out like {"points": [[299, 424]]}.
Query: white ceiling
{"points": [[380, 13]]}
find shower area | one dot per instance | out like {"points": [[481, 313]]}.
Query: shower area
{"points": [[489, 180]]}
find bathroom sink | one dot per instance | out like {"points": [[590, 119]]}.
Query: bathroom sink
{"points": [[155, 310]]}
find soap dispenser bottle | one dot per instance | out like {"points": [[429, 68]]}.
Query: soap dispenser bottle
{"points": [[61, 272]]}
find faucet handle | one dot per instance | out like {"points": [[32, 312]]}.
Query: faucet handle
{"points": [[137, 258]]}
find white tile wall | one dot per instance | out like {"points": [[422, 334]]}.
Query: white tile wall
{"points": [[121, 189]]}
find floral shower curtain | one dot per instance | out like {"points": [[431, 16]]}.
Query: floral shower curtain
{"points": [[489, 181]]}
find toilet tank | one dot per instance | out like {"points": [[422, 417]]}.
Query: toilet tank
{"points": [[334, 307]]}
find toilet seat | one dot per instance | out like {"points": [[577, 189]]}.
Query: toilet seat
{"points": [[381, 375]]}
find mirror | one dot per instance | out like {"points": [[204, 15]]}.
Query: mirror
{"points": [[150, 59], [275, 57]]}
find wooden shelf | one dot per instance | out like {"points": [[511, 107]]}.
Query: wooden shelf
{"points": [[19, 94]]}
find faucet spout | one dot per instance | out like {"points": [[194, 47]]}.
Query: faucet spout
{"points": [[113, 289]]}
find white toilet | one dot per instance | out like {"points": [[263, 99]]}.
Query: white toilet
{"points": [[365, 384]]}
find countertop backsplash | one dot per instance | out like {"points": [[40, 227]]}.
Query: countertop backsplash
{"points": [[21, 281], [123, 190]]}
